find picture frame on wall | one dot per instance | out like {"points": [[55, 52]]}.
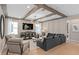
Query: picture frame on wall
{"points": [[75, 27], [2, 26]]}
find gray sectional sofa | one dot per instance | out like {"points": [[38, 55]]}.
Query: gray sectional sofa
{"points": [[51, 41]]}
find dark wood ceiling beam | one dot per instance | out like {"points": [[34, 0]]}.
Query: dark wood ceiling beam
{"points": [[52, 19], [45, 16], [15, 18], [50, 9], [31, 12]]}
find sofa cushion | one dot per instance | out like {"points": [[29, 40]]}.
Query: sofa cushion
{"points": [[50, 35]]}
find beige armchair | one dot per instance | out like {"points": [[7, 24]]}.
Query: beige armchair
{"points": [[16, 45]]}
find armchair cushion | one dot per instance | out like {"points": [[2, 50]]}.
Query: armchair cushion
{"points": [[15, 40]]}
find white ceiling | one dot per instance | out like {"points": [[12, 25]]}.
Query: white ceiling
{"points": [[49, 18], [39, 13], [20, 10], [67, 9]]}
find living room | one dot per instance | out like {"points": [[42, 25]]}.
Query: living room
{"points": [[36, 29]]}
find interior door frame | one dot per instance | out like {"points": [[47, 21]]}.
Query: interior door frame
{"points": [[68, 30]]}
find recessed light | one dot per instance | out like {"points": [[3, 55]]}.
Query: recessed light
{"points": [[28, 6]]}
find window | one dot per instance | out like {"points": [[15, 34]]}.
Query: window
{"points": [[38, 28], [12, 27]]}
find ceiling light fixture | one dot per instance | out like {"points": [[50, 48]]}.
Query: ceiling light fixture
{"points": [[28, 6]]}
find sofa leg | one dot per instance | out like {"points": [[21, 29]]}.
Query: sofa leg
{"points": [[7, 51]]}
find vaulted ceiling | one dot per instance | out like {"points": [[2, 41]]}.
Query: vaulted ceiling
{"points": [[67, 9], [40, 12]]}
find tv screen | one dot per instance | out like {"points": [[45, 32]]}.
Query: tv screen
{"points": [[27, 26]]}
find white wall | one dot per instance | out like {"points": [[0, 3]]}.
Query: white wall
{"points": [[20, 24], [74, 36], [2, 41], [55, 26]]}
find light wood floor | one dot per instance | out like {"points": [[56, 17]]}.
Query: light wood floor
{"points": [[63, 49]]}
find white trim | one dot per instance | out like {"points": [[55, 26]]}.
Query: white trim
{"points": [[74, 41]]}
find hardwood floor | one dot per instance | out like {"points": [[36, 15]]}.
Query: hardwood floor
{"points": [[63, 49]]}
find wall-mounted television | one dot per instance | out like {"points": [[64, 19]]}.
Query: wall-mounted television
{"points": [[27, 26]]}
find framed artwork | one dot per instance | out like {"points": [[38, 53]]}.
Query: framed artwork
{"points": [[75, 27], [2, 26]]}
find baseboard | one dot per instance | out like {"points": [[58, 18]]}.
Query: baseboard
{"points": [[74, 41]]}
